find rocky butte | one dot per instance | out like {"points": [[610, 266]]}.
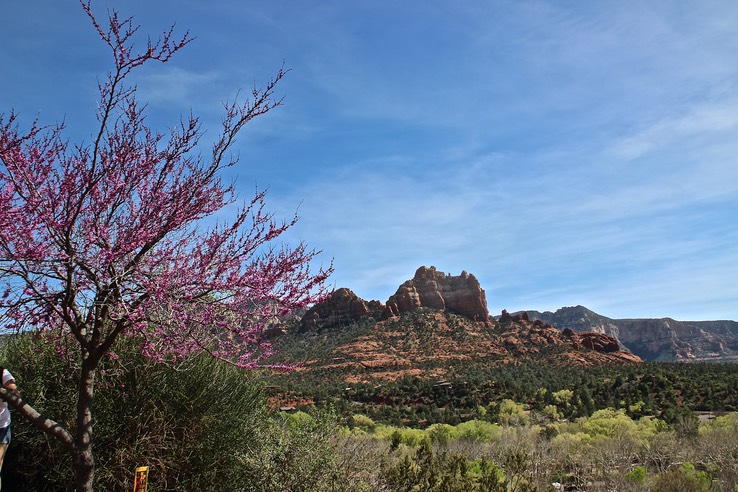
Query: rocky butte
{"points": [[429, 288], [342, 308], [440, 319], [432, 289]]}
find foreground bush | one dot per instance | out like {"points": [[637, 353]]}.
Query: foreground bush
{"points": [[204, 426], [605, 452]]}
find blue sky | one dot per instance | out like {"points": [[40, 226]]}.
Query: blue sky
{"points": [[565, 153]]}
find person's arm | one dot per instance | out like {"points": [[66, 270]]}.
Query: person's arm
{"points": [[11, 386]]}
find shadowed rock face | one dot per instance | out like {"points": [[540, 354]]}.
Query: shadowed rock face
{"points": [[432, 289], [342, 308]]}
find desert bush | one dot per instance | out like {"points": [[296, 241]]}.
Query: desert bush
{"points": [[429, 471], [478, 430], [681, 479], [295, 455], [197, 428]]}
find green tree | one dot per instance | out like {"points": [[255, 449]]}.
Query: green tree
{"points": [[512, 413], [428, 471], [681, 479]]}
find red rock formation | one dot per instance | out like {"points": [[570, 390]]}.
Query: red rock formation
{"points": [[592, 340], [431, 343], [506, 317], [342, 308], [433, 289]]}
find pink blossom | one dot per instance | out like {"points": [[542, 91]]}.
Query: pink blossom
{"points": [[105, 239]]}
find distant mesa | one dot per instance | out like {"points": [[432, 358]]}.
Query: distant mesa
{"points": [[663, 339]]}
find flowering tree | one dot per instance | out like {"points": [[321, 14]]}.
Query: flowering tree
{"points": [[105, 240]]}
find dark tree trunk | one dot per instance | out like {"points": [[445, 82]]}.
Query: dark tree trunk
{"points": [[84, 460]]}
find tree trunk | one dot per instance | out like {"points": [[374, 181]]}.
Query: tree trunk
{"points": [[79, 446], [84, 460]]}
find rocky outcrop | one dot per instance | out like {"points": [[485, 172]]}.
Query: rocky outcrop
{"points": [[662, 339], [517, 329], [506, 317], [525, 339], [433, 289], [592, 340], [429, 288], [342, 308]]}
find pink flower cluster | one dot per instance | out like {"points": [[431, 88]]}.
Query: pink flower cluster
{"points": [[106, 239]]}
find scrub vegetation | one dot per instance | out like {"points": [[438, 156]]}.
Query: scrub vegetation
{"points": [[209, 426]]}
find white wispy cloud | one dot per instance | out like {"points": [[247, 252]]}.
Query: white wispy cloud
{"points": [[700, 121], [180, 88], [564, 153]]}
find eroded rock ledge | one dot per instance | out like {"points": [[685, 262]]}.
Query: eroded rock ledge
{"points": [[430, 288]]}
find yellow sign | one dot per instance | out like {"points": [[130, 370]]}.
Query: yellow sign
{"points": [[141, 479]]}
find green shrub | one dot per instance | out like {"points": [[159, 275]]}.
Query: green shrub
{"points": [[293, 454], [198, 427], [362, 422], [478, 431], [637, 475], [428, 471], [412, 437], [512, 413], [441, 433], [681, 479]]}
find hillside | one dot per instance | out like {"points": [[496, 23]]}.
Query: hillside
{"points": [[662, 339], [434, 344], [435, 326]]}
